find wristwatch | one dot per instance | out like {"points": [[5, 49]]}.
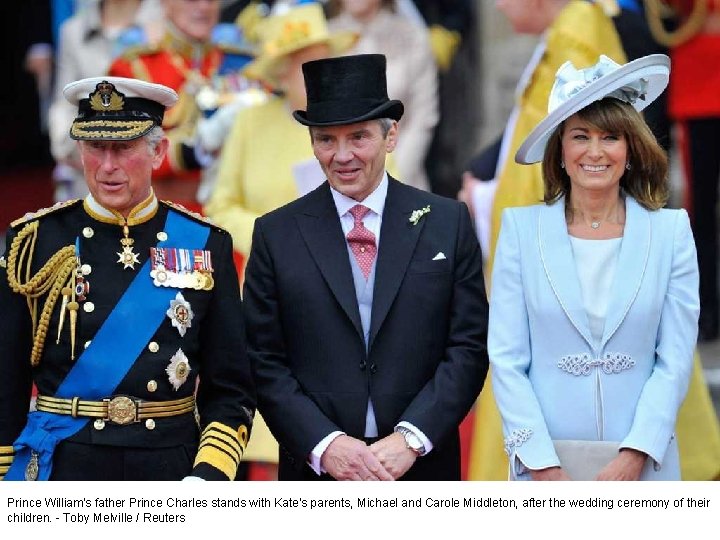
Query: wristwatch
{"points": [[412, 441]]}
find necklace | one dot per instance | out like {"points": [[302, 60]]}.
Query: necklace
{"points": [[594, 223]]}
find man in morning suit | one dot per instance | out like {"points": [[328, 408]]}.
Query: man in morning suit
{"points": [[114, 306], [364, 301]]}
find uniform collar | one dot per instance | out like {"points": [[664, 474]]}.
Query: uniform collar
{"points": [[143, 212], [174, 40]]}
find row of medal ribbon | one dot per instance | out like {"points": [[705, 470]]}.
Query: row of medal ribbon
{"points": [[182, 268]]}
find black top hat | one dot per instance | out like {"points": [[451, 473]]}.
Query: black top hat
{"points": [[347, 90]]}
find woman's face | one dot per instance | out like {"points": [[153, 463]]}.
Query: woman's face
{"points": [[361, 9], [594, 160], [291, 80]]}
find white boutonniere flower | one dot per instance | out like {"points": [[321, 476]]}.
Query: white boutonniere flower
{"points": [[418, 214]]}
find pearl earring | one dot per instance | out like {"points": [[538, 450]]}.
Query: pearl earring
{"points": [[562, 164]]}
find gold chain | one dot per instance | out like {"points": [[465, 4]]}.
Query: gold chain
{"points": [[655, 10], [53, 276]]}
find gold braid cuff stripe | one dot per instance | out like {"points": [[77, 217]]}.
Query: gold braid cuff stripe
{"points": [[240, 436], [7, 454], [221, 447], [223, 442], [131, 128]]}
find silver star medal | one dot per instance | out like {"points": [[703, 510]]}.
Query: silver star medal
{"points": [[128, 258], [178, 369], [180, 314]]}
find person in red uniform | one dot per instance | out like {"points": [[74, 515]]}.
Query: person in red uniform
{"points": [[694, 104], [186, 59]]}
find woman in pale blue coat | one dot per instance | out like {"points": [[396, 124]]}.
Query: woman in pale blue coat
{"points": [[594, 301]]}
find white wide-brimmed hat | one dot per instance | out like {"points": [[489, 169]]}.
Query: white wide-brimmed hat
{"points": [[638, 83]]}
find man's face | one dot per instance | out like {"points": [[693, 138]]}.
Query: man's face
{"points": [[353, 156], [361, 9], [118, 173], [524, 16], [194, 18]]}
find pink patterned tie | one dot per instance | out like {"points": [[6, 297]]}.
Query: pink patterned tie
{"points": [[361, 240]]}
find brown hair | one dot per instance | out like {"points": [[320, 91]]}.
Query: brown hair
{"points": [[647, 179]]}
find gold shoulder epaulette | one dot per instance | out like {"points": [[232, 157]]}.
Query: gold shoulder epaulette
{"points": [[43, 212], [228, 48], [143, 49], [194, 215]]}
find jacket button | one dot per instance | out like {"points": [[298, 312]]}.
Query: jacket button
{"points": [[362, 364], [373, 368]]}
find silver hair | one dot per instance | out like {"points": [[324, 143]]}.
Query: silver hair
{"points": [[153, 137], [385, 125]]}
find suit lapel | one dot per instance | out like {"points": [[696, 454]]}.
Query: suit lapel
{"points": [[632, 261], [558, 262], [320, 227], [398, 238]]}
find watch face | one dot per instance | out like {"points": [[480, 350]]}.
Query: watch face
{"points": [[413, 441]]}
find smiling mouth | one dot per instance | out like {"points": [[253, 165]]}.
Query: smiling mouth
{"points": [[343, 173], [594, 168]]}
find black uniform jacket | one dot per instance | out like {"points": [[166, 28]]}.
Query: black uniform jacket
{"points": [[214, 344], [427, 356]]}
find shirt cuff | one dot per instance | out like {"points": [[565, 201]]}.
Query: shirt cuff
{"points": [[319, 450], [426, 442]]}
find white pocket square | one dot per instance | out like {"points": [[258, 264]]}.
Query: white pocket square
{"points": [[439, 257]]}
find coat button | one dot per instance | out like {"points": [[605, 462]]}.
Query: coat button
{"points": [[153, 347], [162, 236], [99, 424], [88, 307], [362, 364], [85, 269], [373, 368], [88, 232], [152, 386], [150, 424]]}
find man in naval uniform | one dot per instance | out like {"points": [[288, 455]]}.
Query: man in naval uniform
{"points": [[114, 306]]}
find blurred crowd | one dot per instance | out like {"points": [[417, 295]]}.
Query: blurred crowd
{"points": [[236, 152]]}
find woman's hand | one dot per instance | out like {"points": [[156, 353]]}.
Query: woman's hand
{"points": [[551, 473], [626, 466]]}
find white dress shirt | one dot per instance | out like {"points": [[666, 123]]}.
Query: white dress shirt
{"points": [[372, 221]]}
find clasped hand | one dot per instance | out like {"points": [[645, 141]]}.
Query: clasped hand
{"points": [[347, 458]]}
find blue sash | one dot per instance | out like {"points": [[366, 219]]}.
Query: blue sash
{"points": [[106, 361]]}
